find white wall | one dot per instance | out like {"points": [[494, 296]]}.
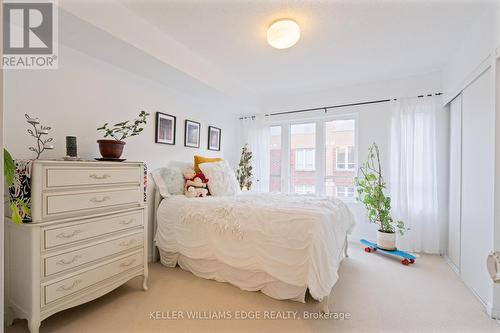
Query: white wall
{"points": [[126, 25], [403, 87], [85, 93], [483, 37]]}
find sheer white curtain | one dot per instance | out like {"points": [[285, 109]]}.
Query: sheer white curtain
{"points": [[413, 176], [256, 133]]}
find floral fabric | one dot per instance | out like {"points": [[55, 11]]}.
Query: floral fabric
{"points": [[22, 187]]}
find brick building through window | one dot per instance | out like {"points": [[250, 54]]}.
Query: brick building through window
{"points": [[331, 173]]}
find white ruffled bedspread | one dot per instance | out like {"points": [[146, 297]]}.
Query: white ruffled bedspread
{"points": [[295, 239]]}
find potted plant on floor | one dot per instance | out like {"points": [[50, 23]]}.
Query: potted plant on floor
{"points": [[113, 149], [370, 185]]}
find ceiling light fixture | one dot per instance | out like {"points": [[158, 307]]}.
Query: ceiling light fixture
{"points": [[283, 33]]}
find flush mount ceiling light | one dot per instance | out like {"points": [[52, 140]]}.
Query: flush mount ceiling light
{"points": [[283, 33]]}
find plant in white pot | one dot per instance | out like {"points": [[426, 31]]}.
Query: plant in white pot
{"points": [[370, 185]]}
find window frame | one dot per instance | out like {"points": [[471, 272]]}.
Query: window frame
{"points": [[346, 158], [280, 175], [305, 166], [345, 192], [304, 192]]}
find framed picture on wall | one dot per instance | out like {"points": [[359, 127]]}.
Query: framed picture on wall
{"points": [[165, 128], [214, 137], [192, 134]]}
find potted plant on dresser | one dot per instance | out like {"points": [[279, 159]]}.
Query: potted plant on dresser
{"points": [[112, 149], [370, 186]]}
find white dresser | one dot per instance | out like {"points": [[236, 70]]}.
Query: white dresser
{"points": [[88, 236]]}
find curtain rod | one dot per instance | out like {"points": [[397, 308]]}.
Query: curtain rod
{"points": [[325, 108]]}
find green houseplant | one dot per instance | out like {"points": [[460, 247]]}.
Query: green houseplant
{"points": [[113, 149], [15, 204], [370, 186], [244, 172]]}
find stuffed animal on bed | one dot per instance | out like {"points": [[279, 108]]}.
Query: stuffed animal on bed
{"points": [[196, 184]]}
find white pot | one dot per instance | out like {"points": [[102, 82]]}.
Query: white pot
{"points": [[386, 241]]}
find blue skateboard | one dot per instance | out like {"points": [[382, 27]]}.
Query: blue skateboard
{"points": [[406, 257]]}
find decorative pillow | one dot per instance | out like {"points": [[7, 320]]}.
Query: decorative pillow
{"points": [[222, 178], [169, 181], [200, 159]]}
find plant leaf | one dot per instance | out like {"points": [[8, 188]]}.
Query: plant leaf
{"points": [[15, 216], [9, 168]]}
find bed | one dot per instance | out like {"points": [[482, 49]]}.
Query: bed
{"points": [[280, 244]]}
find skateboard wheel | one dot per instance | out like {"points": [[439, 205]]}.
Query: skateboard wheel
{"points": [[412, 261], [367, 249], [374, 249], [405, 262]]}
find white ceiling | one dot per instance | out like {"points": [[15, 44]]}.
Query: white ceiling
{"points": [[343, 42]]}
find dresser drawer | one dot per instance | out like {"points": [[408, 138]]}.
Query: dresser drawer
{"points": [[68, 203], [86, 279], [73, 176], [92, 228], [86, 255]]}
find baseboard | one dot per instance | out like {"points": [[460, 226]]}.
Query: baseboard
{"points": [[489, 308], [494, 309], [494, 312], [452, 265]]}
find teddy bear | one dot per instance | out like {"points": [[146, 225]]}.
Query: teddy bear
{"points": [[194, 192], [196, 184]]}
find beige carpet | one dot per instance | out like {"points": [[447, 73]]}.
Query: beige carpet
{"points": [[380, 294]]}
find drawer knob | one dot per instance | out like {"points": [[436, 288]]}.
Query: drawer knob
{"points": [[127, 243], [63, 262], [99, 200], [70, 235], [127, 264], [66, 288], [97, 177], [127, 222]]}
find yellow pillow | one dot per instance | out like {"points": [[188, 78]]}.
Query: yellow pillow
{"points": [[200, 159]]}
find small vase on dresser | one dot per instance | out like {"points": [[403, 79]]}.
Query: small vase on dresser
{"points": [[88, 236]]}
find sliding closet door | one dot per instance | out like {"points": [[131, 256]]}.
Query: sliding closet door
{"points": [[455, 182], [478, 138]]}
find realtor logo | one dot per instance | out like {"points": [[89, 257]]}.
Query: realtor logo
{"points": [[29, 35]]}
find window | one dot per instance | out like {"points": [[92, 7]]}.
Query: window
{"points": [[302, 155], [315, 157], [304, 189], [340, 158], [275, 159], [345, 158], [345, 191], [304, 159]]}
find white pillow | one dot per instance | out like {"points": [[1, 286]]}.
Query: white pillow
{"points": [[221, 178], [169, 181]]}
